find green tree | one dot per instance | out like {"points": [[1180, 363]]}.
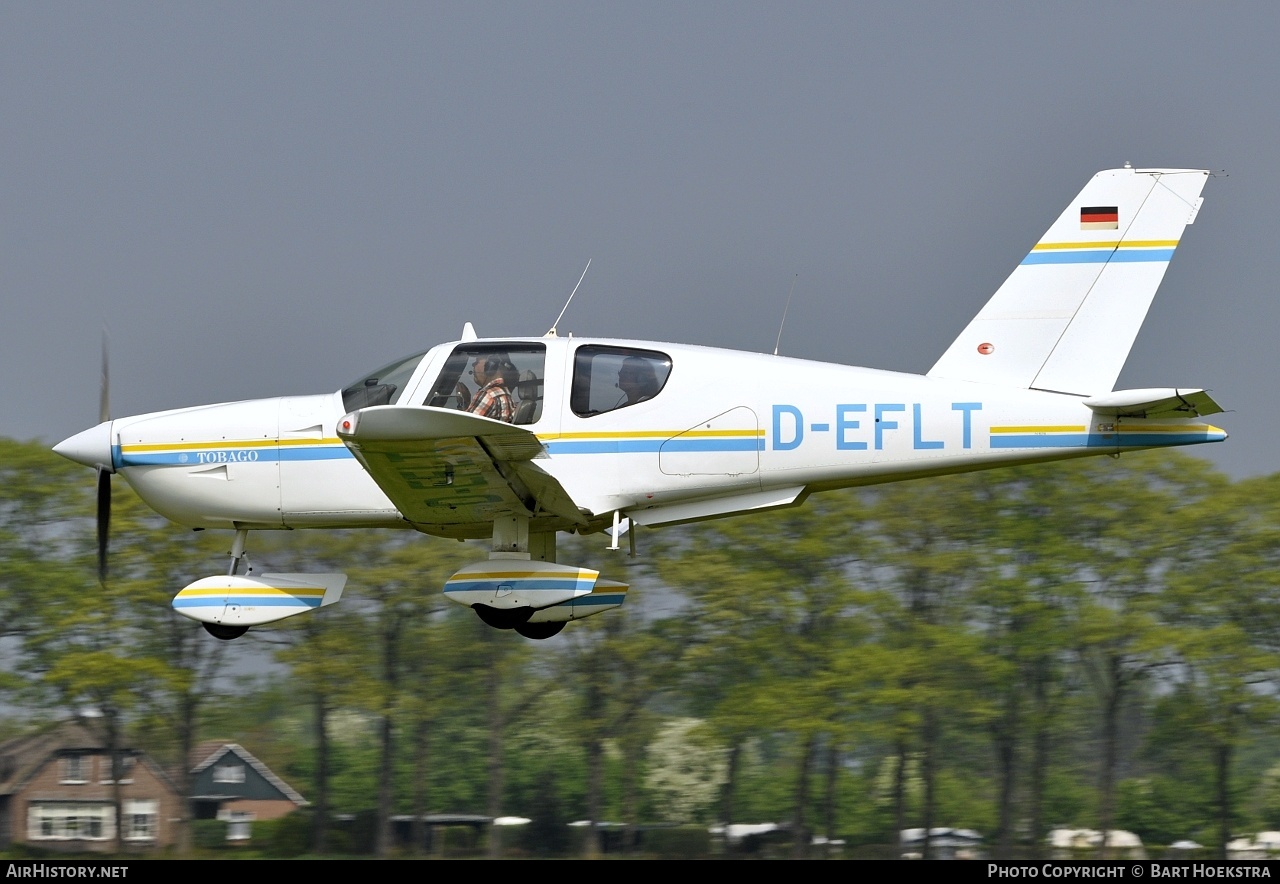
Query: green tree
{"points": [[151, 560], [772, 612], [930, 667], [1222, 605], [1027, 581], [327, 650], [115, 645], [617, 662], [1125, 525], [399, 595]]}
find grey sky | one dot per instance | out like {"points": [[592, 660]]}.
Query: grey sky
{"points": [[260, 199]]}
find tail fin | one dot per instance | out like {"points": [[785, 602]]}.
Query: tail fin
{"points": [[1067, 316]]}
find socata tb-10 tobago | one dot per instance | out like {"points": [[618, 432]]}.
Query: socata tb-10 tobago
{"points": [[596, 435]]}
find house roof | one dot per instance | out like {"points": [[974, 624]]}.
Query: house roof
{"points": [[211, 752], [22, 757]]}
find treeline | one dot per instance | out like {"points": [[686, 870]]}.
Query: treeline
{"points": [[1090, 644]]}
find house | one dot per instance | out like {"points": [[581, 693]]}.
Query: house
{"points": [[56, 792], [229, 783]]}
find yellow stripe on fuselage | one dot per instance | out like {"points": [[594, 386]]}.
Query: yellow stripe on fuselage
{"points": [[1049, 429], [652, 434], [1114, 244]]}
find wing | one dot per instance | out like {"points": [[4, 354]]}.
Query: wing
{"points": [[453, 473]]}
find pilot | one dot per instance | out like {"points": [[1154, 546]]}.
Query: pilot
{"points": [[637, 381], [493, 394]]}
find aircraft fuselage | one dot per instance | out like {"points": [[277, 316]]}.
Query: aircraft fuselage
{"points": [[728, 431]]}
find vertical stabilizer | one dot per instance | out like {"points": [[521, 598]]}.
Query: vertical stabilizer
{"points": [[1067, 316]]}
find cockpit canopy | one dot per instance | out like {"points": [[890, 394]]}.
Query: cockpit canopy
{"points": [[606, 377]]}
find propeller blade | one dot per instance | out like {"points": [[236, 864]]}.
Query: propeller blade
{"points": [[104, 476], [104, 521], [104, 404]]}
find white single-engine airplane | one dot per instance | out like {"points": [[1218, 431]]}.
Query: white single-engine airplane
{"points": [[591, 435]]}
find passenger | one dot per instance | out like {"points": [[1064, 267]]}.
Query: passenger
{"points": [[637, 381], [493, 374]]}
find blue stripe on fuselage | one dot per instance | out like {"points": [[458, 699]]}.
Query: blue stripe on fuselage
{"points": [[1098, 256], [216, 456], [1085, 440]]}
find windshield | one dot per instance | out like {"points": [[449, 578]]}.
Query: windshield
{"points": [[383, 387]]}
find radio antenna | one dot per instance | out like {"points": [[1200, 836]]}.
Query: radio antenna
{"points": [[552, 332], [778, 342]]}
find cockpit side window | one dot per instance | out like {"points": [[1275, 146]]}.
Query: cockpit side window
{"points": [[501, 381], [383, 387], [608, 378]]}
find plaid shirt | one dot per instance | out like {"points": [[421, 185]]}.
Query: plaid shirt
{"points": [[493, 400]]}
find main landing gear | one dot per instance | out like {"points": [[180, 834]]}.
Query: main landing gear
{"points": [[517, 619], [223, 631], [521, 587]]}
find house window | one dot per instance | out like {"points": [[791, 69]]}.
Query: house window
{"points": [[239, 824], [139, 819], [126, 769], [228, 773], [70, 822], [75, 768]]}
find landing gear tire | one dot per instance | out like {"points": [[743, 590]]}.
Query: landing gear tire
{"points": [[224, 633], [503, 618], [540, 630]]}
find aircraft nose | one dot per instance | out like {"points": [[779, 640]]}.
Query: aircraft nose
{"points": [[91, 447]]}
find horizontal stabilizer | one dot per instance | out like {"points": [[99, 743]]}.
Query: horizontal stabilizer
{"points": [[1160, 402]]}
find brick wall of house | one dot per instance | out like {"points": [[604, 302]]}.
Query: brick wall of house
{"points": [[67, 805]]}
